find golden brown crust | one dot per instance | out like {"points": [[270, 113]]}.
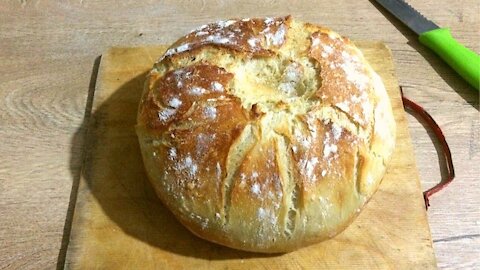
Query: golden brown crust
{"points": [[174, 93], [345, 79], [254, 36], [265, 134]]}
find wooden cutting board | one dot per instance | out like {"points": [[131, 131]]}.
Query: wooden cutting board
{"points": [[120, 224]]}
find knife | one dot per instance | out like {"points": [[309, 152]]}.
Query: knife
{"points": [[463, 60]]}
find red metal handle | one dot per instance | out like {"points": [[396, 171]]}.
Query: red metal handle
{"points": [[408, 104]]}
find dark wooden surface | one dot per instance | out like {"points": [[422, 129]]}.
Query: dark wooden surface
{"points": [[48, 51]]}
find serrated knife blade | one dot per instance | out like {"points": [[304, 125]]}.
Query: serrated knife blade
{"points": [[463, 60], [408, 15]]}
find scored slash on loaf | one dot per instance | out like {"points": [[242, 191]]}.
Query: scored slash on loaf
{"points": [[265, 135]]}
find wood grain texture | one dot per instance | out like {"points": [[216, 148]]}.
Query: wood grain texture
{"points": [[47, 53], [120, 224]]}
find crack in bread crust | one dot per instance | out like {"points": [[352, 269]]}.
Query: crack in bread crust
{"points": [[303, 87], [291, 189], [356, 176], [235, 157]]}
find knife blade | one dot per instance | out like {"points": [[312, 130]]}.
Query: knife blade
{"points": [[463, 60], [408, 15]]}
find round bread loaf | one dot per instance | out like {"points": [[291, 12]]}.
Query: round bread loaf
{"points": [[265, 134]]}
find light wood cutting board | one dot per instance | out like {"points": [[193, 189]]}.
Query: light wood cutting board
{"points": [[120, 224]]}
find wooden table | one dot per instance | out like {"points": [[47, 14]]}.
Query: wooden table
{"points": [[48, 62]]}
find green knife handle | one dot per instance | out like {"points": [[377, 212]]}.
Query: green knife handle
{"points": [[464, 61]]}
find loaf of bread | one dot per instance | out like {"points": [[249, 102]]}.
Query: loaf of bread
{"points": [[265, 135]]}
